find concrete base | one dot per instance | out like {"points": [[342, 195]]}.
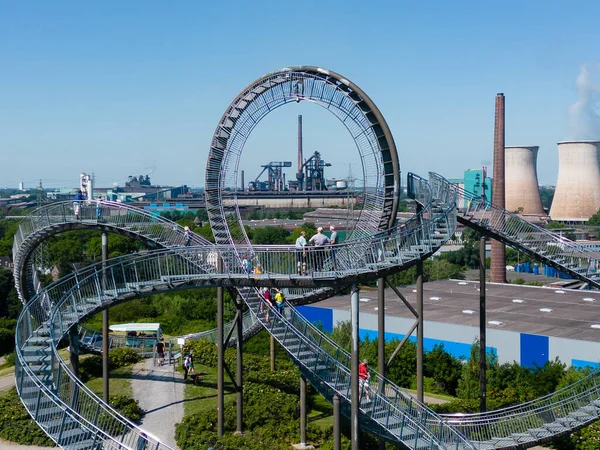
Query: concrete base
{"points": [[239, 433], [303, 447]]}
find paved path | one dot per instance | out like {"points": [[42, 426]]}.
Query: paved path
{"points": [[7, 381], [159, 390], [5, 445]]}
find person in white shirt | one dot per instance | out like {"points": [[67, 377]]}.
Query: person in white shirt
{"points": [[301, 253], [319, 240]]}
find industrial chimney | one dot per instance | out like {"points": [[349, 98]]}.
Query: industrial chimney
{"points": [[521, 187], [300, 173], [577, 195], [498, 253]]}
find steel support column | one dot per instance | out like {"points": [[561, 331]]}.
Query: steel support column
{"points": [[381, 326], [302, 410], [272, 352], [420, 331], [105, 349], [74, 349], [220, 357], [355, 407], [482, 328], [337, 440], [239, 365], [381, 337]]}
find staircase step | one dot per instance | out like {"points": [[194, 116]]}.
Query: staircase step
{"points": [[40, 359], [523, 437], [84, 445]]}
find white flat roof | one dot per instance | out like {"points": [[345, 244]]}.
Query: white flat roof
{"points": [[135, 327]]}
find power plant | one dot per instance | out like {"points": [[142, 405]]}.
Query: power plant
{"points": [[577, 195], [521, 187]]}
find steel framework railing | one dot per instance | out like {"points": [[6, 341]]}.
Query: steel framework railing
{"points": [[75, 418], [91, 213], [81, 294], [560, 412], [540, 243]]}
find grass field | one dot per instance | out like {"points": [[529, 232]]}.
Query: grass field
{"points": [[204, 396], [119, 382]]}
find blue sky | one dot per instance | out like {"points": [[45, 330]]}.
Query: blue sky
{"points": [[116, 87]]}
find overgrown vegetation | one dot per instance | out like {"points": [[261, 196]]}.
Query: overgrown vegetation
{"points": [[16, 424]]}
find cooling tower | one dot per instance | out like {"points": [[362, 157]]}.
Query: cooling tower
{"points": [[521, 188], [577, 195]]}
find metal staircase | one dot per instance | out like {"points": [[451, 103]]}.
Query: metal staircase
{"points": [[534, 422], [542, 244], [75, 418]]}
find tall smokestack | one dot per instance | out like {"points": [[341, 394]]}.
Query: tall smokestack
{"points": [[299, 174], [243, 185], [498, 264]]}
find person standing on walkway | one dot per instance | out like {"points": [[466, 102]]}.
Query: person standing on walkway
{"points": [[99, 209], [333, 241], [301, 253], [187, 236], [79, 197], [319, 241]]}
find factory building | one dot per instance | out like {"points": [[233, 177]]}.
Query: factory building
{"points": [[527, 324], [521, 186], [577, 195], [474, 181]]}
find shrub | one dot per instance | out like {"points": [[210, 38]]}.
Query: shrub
{"points": [[204, 352], [16, 425], [90, 367], [123, 356], [7, 341], [9, 360], [127, 406]]}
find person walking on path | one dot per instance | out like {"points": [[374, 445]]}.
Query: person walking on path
{"points": [[79, 197], [301, 253], [319, 240], [188, 364], [333, 241], [160, 352]]}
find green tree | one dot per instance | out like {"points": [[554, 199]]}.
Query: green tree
{"points": [[595, 219], [270, 236], [441, 269], [546, 195], [10, 305], [443, 368]]}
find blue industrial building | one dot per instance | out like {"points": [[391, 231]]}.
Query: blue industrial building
{"points": [[527, 324]]}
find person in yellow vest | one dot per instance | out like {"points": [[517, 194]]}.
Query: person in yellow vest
{"points": [[280, 301]]}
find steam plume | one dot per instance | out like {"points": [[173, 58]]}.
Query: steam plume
{"points": [[584, 114]]}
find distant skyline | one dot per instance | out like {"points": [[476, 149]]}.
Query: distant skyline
{"points": [[125, 88]]}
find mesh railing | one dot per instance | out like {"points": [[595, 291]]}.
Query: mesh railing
{"points": [[115, 215], [76, 296], [539, 242]]}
